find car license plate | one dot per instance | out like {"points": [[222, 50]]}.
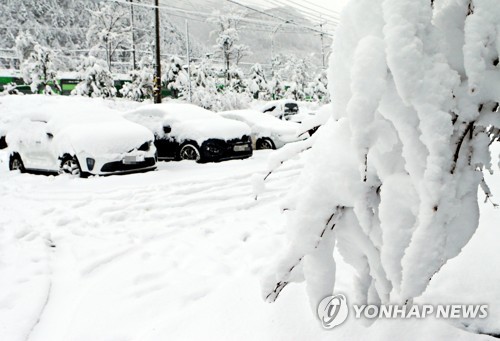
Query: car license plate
{"points": [[130, 159], [241, 148]]}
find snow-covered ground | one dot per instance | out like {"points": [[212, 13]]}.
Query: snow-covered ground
{"points": [[179, 254]]}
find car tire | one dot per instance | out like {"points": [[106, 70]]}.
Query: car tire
{"points": [[265, 143], [16, 163], [71, 166], [189, 152]]}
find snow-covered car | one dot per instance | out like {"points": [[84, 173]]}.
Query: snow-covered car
{"points": [[188, 132], [268, 132], [289, 110], [314, 120], [49, 139], [284, 109]]}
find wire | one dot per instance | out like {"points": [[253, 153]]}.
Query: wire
{"points": [[285, 21], [315, 16]]}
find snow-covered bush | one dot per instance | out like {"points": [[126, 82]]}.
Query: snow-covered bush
{"points": [[175, 78], [393, 177], [10, 89], [141, 86], [97, 81], [237, 81], [39, 72], [257, 83], [318, 89]]}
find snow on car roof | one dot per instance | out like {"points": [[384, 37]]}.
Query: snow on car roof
{"points": [[46, 108], [187, 121], [174, 111]]}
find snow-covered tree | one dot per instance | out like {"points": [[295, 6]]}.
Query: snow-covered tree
{"points": [[226, 43], [97, 81], [298, 78], [257, 83], [24, 45], [392, 179], [175, 78], [109, 29], [141, 86], [39, 72]]}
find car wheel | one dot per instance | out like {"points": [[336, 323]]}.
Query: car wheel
{"points": [[189, 152], [265, 143], [15, 163], [70, 165]]}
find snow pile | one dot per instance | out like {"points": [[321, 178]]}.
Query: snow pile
{"points": [[394, 181], [187, 122]]}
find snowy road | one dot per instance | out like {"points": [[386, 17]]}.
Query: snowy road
{"points": [[174, 254]]}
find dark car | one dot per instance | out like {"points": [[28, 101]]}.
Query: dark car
{"points": [[188, 132]]}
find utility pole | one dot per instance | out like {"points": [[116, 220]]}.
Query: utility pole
{"points": [[322, 34], [157, 75], [134, 64], [188, 60]]}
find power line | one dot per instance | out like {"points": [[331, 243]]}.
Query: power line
{"points": [[284, 21], [197, 13], [311, 14]]}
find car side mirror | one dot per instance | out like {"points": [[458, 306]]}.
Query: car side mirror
{"points": [[167, 129], [50, 135]]}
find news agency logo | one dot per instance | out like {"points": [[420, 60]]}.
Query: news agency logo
{"points": [[333, 311]]}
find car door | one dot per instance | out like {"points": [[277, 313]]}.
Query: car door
{"points": [[37, 147]]}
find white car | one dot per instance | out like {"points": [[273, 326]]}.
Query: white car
{"points": [[287, 110], [268, 132], [77, 142], [188, 132]]}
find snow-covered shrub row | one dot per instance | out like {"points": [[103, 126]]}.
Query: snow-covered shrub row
{"points": [[393, 177]]}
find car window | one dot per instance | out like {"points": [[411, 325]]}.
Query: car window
{"points": [[291, 108], [270, 109]]}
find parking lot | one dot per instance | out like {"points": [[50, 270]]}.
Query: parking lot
{"points": [[131, 254]]}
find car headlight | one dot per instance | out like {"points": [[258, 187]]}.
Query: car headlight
{"points": [[90, 163], [145, 146]]}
